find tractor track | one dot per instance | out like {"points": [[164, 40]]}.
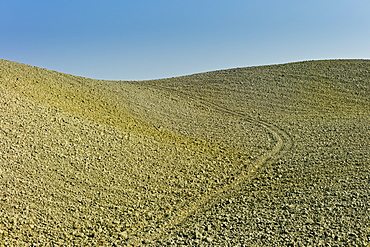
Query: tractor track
{"points": [[283, 143]]}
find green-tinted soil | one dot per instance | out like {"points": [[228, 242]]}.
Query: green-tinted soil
{"points": [[271, 155]]}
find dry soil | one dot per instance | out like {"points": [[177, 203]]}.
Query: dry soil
{"points": [[261, 156]]}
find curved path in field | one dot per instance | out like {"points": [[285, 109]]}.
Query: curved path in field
{"points": [[282, 145]]}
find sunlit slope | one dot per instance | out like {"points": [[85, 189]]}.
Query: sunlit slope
{"points": [[93, 162], [317, 192], [81, 158], [313, 87]]}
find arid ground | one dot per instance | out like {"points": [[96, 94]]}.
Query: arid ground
{"points": [[261, 156]]}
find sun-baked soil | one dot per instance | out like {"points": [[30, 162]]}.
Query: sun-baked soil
{"points": [[262, 156]]}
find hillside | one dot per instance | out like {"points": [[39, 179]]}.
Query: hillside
{"points": [[262, 156]]}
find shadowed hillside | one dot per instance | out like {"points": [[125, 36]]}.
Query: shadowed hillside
{"points": [[272, 155]]}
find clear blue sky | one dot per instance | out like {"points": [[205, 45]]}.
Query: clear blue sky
{"points": [[148, 39]]}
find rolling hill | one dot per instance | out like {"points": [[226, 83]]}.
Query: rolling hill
{"points": [[262, 156]]}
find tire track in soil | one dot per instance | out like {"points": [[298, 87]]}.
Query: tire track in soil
{"points": [[283, 144]]}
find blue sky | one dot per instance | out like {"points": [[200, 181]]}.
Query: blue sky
{"points": [[148, 39]]}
